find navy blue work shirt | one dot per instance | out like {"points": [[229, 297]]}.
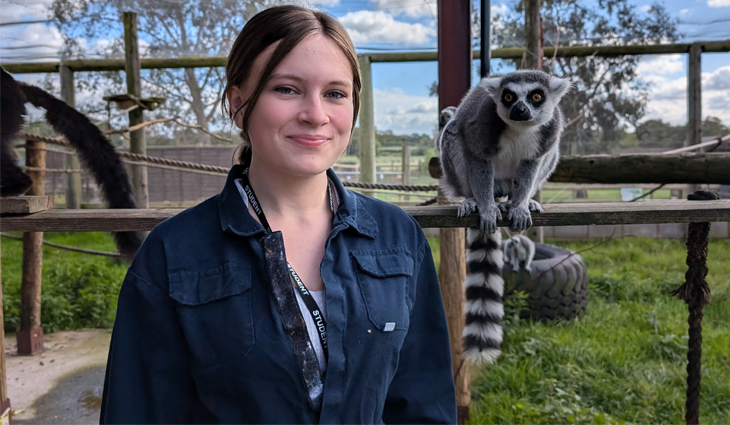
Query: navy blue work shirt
{"points": [[198, 337]]}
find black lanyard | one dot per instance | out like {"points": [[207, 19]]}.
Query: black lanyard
{"points": [[309, 301]]}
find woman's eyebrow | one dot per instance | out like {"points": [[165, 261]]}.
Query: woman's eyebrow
{"points": [[344, 83]]}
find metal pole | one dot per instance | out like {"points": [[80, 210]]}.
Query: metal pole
{"points": [[486, 40]]}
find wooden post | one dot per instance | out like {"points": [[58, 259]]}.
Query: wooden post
{"points": [[533, 60], [533, 55], [406, 166], [454, 58], [4, 400], [73, 187], [694, 100], [367, 125], [30, 334], [137, 142]]}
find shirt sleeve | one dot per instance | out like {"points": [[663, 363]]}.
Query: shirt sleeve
{"points": [[147, 378], [422, 390]]}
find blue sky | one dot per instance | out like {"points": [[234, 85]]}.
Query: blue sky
{"points": [[401, 90]]}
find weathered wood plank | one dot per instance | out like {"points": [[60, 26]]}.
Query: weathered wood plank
{"points": [[573, 214], [695, 168], [25, 204]]}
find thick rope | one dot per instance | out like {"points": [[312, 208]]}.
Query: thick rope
{"points": [[69, 248], [696, 293], [223, 170]]}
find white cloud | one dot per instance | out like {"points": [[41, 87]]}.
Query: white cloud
{"points": [[17, 11], [668, 97], [718, 3], [410, 8], [34, 42], [377, 26], [404, 113], [499, 9], [662, 64], [646, 8]]}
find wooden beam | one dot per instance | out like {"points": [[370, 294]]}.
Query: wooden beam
{"points": [[30, 333], [698, 168], [569, 214], [137, 141], [86, 65], [73, 180], [533, 32], [454, 72], [366, 141]]}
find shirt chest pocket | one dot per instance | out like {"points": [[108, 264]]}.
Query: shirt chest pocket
{"points": [[383, 276], [214, 308]]}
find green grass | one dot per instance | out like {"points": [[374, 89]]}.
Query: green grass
{"points": [[625, 360], [78, 290]]}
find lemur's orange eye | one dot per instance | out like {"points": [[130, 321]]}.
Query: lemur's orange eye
{"points": [[508, 97], [536, 97]]}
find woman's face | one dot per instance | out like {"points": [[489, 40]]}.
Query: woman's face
{"points": [[302, 120]]}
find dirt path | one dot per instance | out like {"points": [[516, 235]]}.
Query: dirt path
{"points": [[65, 364]]}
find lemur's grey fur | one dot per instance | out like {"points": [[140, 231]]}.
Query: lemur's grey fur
{"points": [[499, 146], [495, 146], [444, 117], [519, 251]]}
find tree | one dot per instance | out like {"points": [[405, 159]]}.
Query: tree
{"points": [[607, 93], [169, 28], [658, 134]]}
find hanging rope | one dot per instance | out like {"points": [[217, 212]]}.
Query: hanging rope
{"points": [[696, 293]]}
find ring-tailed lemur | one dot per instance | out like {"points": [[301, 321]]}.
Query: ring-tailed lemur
{"points": [[93, 148], [519, 251], [502, 141]]}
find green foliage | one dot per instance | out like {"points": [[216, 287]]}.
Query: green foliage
{"points": [[78, 290], [624, 362]]}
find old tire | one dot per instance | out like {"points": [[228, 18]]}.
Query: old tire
{"points": [[557, 285]]}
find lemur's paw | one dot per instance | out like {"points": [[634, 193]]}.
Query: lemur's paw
{"points": [[534, 206], [519, 218], [502, 207], [467, 207], [488, 219]]}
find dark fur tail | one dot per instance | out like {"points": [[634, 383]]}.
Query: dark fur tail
{"points": [[484, 288], [96, 152], [13, 181]]}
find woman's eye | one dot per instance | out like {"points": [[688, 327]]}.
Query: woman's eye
{"points": [[508, 97], [284, 90], [536, 97], [336, 95]]}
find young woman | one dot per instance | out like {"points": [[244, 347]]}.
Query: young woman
{"points": [[286, 298]]}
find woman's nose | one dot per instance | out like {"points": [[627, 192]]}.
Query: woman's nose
{"points": [[314, 111]]}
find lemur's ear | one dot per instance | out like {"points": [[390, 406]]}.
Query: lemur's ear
{"points": [[559, 86], [490, 84]]}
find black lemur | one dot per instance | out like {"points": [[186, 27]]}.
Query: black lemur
{"points": [[502, 141], [94, 149]]}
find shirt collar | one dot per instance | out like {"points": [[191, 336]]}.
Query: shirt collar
{"points": [[235, 218]]}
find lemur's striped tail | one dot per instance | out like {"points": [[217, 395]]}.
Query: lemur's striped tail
{"points": [[484, 288]]}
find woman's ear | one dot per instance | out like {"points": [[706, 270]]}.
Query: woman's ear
{"points": [[235, 100]]}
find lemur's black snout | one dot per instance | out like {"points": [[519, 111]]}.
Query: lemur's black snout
{"points": [[520, 112]]}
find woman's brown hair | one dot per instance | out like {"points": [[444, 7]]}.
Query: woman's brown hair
{"points": [[288, 25]]}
